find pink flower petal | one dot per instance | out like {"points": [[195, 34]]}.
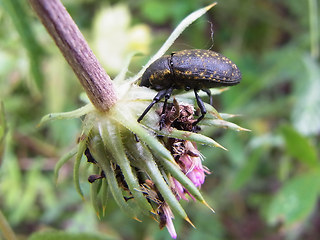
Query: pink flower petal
{"points": [[191, 164], [169, 224], [179, 189]]}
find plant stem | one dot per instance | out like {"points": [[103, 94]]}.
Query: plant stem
{"points": [[76, 51]]}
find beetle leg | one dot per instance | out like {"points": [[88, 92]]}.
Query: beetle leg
{"points": [[201, 106], [162, 118], [156, 99], [208, 92], [166, 97]]}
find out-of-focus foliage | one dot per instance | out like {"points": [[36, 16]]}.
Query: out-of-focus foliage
{"points": [[112, 34], [3, 130], [59, 235], [265, 187]]}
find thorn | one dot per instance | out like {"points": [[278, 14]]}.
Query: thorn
{"points": [[207, 205], [223, 89], [155, 219], [189, 221], [104, 211], [219, 116], [176, 164], [244, 129], [211, 5], [137, 219], [220, 146], [153, 213]]}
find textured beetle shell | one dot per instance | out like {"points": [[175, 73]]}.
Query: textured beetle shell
{"points": [[203, 69], [191, 69]]}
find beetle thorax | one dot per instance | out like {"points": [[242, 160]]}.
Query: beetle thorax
{"points": [[158, 75]]}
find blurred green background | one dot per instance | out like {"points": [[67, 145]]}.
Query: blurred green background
{"points": [[265, 187]]}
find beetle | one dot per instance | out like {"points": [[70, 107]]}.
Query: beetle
{"points": [[195, 69]]}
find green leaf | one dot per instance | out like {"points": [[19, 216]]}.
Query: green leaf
{"points": [[183, 179], [65, 158], [223, 124], [111, 137], [104, 195], [248, 169], [191, 136], [60, 235], [76, 174], [81, 149], [300, 147], [156, 11], [306, 112], [66, 115], [22, 22], [156, 176], [94, 192], [296, 200], [104, 160], [137, 150], [146, 162], [3, 130], [128, 121]]}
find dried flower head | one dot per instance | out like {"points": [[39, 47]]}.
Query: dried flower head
{"points": [[149, 166]]}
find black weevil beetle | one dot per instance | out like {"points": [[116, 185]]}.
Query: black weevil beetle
{"points": [[189, 69]]}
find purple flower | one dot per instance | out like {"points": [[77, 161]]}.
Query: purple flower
{"points": [[166, 217], [191, 164], [178, 189]]}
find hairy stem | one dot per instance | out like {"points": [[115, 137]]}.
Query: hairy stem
{"points": [[76, 51]]}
